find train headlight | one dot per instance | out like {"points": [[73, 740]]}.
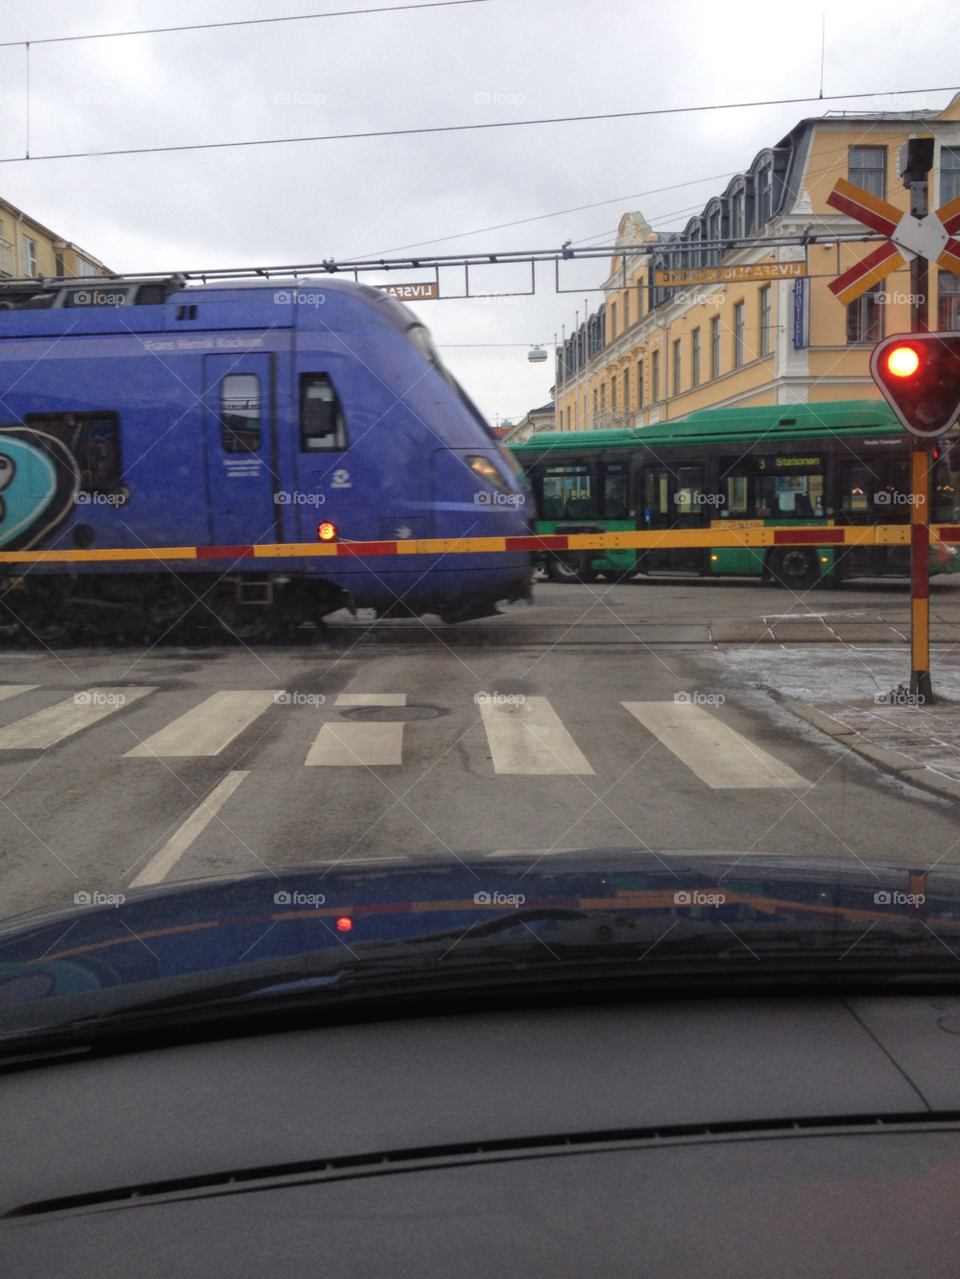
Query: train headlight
{"points": [[485, 470], [326, 531]]}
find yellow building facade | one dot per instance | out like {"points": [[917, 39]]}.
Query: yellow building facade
{"points": [[28, 248], [651, 354]]}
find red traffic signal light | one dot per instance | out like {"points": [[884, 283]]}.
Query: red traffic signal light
{"points": [[919, 375]]}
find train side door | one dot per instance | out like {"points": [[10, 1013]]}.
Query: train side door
{"points": [[239, 427]]}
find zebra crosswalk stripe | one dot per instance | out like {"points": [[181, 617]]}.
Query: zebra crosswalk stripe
{"points": [[359, 745], [530, 738], [14, 690], [718, 754], [207, 728], [47, 727]]}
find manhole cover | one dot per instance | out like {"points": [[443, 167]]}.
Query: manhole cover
{"points": [[390, 714]]}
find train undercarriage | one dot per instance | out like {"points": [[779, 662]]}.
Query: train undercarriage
{"points": [[195, 608]]}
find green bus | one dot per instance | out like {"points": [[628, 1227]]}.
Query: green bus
{"points": [[842, 463]]}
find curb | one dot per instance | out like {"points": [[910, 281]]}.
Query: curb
{"points": [[901, 766]]}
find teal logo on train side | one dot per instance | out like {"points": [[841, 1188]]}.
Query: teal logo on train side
{"points": [[38, 477]]}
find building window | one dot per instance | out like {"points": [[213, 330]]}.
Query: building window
{"points": [[766, 318], [626, 309], [85, 268], [656, 376], [640, 384], [948, 305], [949, 174], [29, 256], [58, 265], [739, 326], [713, 233], [640, 299], [613, 394], [696, 357], [737, 218], [715, 347], [868, 169], [603, 397], [613, 320], [596, 395], [676, 366], [693, 258], [626, 390], [568, 417], [764, 195], [865, 318]]}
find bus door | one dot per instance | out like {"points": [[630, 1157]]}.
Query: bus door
{"points": [[239, 432], [616, 516], [672, 498], [734, 506]]}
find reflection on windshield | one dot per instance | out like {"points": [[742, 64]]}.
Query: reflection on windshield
{"points": [[454, 922]]}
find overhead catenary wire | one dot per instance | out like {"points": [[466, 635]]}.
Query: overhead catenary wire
{"points": [[540, 217], [241, 22], [464, 128]]}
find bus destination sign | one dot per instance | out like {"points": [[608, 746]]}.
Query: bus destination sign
{"points": [[785, 463]]}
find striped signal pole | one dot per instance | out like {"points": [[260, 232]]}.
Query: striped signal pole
{"points": [[917, 238], [916, 161]]}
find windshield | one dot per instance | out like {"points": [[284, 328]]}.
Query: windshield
{"points": [[425, 575]]}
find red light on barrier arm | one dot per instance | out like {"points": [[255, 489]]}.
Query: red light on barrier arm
{"points": [[344, 923], [903, 361], [326, 532]]}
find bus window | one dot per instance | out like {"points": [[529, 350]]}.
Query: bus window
{"points": [[945, 507], [569, 493], [857, 485], [689, 490], [789, 497], [656, 497], [736, 504], [615, 492]]}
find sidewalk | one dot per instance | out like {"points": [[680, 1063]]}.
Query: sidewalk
{"points": [[834, 690]]}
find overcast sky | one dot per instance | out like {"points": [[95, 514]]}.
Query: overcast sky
{"points": [[304, 202]]}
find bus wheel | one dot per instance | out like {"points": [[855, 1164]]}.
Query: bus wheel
{"points": [[570, 568], [795, 567]]}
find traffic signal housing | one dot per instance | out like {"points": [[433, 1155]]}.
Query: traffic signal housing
{"points": [[919, 377]]}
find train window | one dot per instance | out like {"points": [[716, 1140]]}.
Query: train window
{"points": [[321, 417], [94, 441], [569, 493], [240, 430], [615, 492]]}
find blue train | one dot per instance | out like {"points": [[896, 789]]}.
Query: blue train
{"points": [[148, 413]]}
